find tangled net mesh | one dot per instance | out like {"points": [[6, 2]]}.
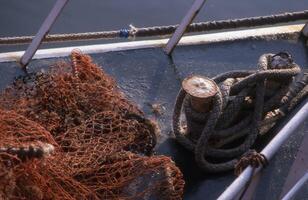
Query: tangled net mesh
{"points": [[67, 95], [101, 142]]}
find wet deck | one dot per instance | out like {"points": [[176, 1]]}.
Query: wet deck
{"points": [[148, 76]]}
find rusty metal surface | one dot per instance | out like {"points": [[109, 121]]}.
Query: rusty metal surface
{"points": [[148, 76]]}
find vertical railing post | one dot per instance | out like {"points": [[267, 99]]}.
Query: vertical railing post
{"points": [[305, 30], [43, 31], [179, 32]]}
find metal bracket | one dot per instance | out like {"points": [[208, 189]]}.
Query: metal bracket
{"points": [[305, 30], [179, 32], [43, 31]]}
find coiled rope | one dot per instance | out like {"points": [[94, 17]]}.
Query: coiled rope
{"points": [[247, 104], [164, 30]]}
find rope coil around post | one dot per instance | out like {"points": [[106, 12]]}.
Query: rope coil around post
{"points": [[246, 104]]}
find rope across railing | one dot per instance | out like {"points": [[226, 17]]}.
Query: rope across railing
{"points": [[133, 32]]}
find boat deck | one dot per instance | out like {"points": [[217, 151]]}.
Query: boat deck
{"points": [[148, 76]]}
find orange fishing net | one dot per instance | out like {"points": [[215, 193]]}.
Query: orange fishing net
{"points": [[100, 141], [67, 95], [108, 132]]}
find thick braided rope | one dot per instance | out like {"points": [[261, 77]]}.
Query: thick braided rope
{"points": [[164, 30], [226, 24], [219, 124]]}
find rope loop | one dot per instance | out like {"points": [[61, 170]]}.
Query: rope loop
{"points": [[252, 158]]}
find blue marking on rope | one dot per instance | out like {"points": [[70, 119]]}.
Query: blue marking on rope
{"points": [[124, 33]]}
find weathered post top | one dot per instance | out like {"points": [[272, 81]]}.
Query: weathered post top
{"points": [[201, 91]]}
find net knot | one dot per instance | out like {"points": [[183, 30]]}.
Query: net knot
{"points": [[252, 158]]}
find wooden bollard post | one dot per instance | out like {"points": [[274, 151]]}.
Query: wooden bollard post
{"points": [[201, 91]]}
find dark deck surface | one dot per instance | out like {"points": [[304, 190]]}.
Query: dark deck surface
{"points": [[148, 76]]}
